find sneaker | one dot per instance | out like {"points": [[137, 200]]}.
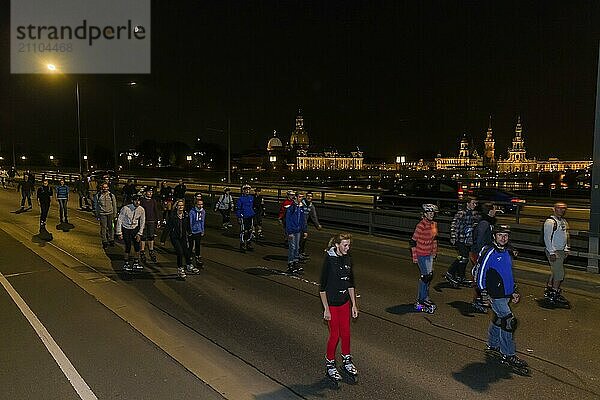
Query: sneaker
{"points": [[249, 246], [548, 292], [181, 272], [199, 262], [127, 267], [190, 269], [513, 361], [332, 371]]}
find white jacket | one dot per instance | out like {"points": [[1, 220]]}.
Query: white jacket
{"points": [[556, 239], [131, 217]]}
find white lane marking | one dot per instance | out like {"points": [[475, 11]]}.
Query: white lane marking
{"points": [[86, 220], [80, 386]]}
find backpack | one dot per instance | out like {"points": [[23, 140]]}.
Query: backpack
{"points": [[554, 227]]}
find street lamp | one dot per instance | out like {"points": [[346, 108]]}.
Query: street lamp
{"points": [[53, 68]]}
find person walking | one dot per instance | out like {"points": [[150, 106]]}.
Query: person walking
{"points": [[130, 229], [495, 279], [310, 214], [461, 237], [556, 243], [295, 227], [105, 210], [423, 246], [259, 212], [224, 206], [339, 303], [244, 210], [148, 202], [25, 187], [62, 197], [197, 218], [44, 196], [178, 228]]}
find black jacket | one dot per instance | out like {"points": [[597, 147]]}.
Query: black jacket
{"points": [[337, 277], [178, 229]]}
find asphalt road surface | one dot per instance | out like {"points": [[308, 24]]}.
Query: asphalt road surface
{"points": [[245, 329]]}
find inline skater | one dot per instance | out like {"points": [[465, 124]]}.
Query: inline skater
{"points": [[245, 212], [295, 228], [556, 242], [130, 229], [152, 219], [178, 228], [285, 204], [62, 197], [461, 237], [482, 237], [423, 245], [44, 195], [105, 210], [224, 206], [259, 212], [339, 303], [310, 213], [166, 199], [197, 218], [494, 278]]}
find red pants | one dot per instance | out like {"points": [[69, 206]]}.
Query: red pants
{"points": [[339, 327]]}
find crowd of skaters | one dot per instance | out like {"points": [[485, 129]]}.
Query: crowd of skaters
{"points": [[475, 234]]}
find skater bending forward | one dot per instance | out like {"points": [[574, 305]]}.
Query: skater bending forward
{"points": [[494, 278], [339, 302]]}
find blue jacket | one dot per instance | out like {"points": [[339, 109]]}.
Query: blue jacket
{"points": [[62, 192], [197, 220], [294, 219], [493, 272], [245, 206]]}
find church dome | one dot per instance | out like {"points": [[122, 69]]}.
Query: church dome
{"points": [[299, 138], [274, 143]]}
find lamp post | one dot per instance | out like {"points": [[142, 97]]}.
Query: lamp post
{"points": [[228, 146], [116, 166], [54, 69]]}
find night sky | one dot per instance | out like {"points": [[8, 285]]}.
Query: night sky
{"points": [[391, 77]]}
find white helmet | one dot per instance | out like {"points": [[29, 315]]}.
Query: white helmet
{"points": [[246, 186], [430, 208]]}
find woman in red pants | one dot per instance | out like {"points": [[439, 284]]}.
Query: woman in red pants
{"points": [[339, 302]]}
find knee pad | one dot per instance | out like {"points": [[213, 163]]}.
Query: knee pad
{"points": [[427, 278], [508, 323]]}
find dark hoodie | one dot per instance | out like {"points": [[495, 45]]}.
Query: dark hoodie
{"points": [[483, 233]]}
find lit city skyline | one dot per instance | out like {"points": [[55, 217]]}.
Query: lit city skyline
{"points": [[380, 76]]}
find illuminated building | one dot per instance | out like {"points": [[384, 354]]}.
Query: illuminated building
{"points": [[516, 161], [297, 156]]}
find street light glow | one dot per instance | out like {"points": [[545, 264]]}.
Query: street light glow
{"points": [[23, 158], [51, 67], [51, 157], [85, 157]]}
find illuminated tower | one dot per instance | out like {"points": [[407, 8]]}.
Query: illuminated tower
{"points": [[517, 153], [299, 138], [489, 157], [464, 151]]}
